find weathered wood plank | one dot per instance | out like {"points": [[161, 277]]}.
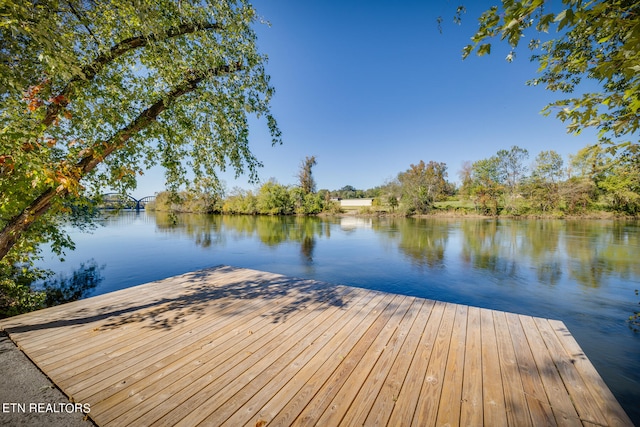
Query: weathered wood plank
{"points": [[451, 396], [373, 387], [312, 377], [386, 399], [603, 397], [407, 401], [586, 407], [564, 412], [471, 410], [514, 397], [194, 384], [349, 407], [495, 413], [534, 393], [349, 360], [246, 402]]}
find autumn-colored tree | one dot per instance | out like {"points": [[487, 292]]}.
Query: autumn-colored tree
{"points": [[92, 93]]}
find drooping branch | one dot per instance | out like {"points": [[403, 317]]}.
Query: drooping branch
{"points": [[89, 71], [92, 157]]}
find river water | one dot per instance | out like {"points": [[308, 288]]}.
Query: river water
{"points": [[584, 273]]}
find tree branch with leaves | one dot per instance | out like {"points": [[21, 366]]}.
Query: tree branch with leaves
{"points": [[95, 92], [594, 40]]}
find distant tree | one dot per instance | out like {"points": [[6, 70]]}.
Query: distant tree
{"points": [[305, 177], [549, 166], [512, 170], [465, 174], [544, 182], [578, 194], [589, 162], [275, 199], [393, 202], [621, 183], [487, 188], [346, 192], [422, 185], [595, 40], [240, 201]]}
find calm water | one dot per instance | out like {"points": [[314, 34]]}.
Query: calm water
{"points": [[584, 273]]}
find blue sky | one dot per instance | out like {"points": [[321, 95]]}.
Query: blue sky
{"points": [[370, 87]]}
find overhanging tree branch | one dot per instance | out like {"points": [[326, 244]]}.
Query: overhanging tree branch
{"points": [[93, 157], [89, 71]]}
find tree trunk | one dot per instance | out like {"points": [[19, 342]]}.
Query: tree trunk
{"points": [[21, 222]]}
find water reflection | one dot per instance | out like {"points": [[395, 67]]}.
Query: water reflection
{"points": [[587, 252], [67, 288], [488, 246], [422, 241], [207, 230]]}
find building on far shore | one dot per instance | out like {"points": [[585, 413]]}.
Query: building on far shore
{"points": [[354, 203]]}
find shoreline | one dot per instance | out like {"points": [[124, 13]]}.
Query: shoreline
{"points": [[457, 215]]}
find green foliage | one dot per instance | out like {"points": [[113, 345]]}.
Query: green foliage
{"points": [[422, 185], [595, 40], [542, 188], [18, 293], [275, 199], [240, 202], [92, 93], [486, 187], [621, 182], [305, 176]]}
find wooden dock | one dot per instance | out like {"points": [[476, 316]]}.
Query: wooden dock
{"points": [[229, 346]]}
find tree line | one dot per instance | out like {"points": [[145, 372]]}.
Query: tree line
{"points": [[507, 183]]}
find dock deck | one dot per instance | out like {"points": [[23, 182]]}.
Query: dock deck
{"points": [[230, 346]]}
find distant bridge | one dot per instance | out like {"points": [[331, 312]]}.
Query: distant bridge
{"points": [[120, 201]]}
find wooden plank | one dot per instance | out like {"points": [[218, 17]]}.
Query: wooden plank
{"points": [[137, 344], [107, 310], [219, 392], [587, 409], [287, 385], [246, 402], [602, 396], [563, 410], [373, 387], [311, 377], [348, 361], [428, 403], [471, 409], [451, 396], [228, 324], [534, 392], [385, 400], [126, 354], [409, 395], [181, 392], [352, 403], [213, 350], [494, 409], [514, 398], [532, 387], [112, 304]]}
